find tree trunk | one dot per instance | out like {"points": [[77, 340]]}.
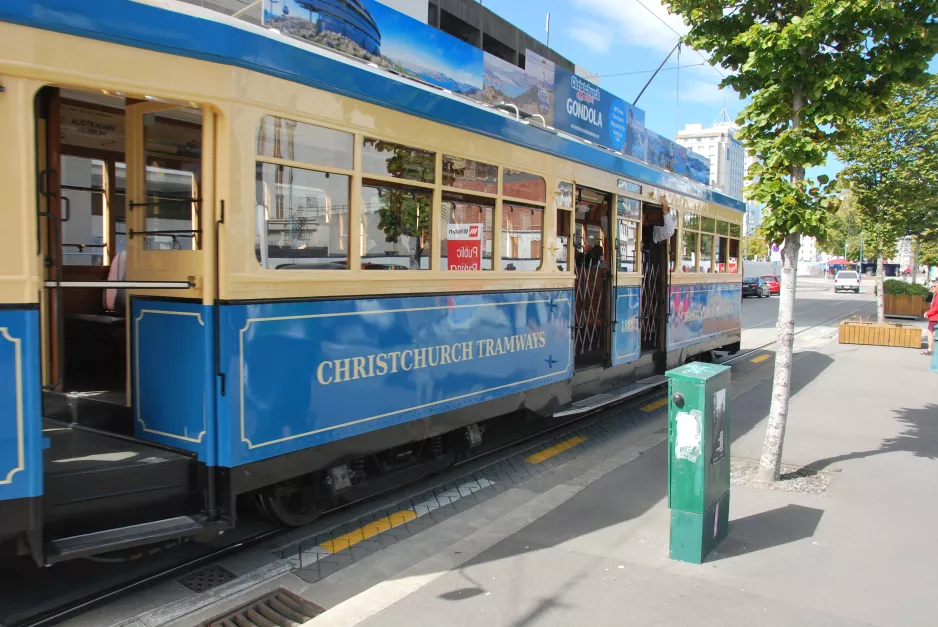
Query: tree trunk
{"points": [[915, 254], [880, 280], [771, 461]]}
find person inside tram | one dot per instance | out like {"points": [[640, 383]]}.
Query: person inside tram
{"points": [[596, 256], [115, 300]]}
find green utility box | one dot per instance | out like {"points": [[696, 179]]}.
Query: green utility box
{"points": [[698, 459]]}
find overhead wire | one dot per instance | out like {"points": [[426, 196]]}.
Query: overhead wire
{"points": [[680, 36]]}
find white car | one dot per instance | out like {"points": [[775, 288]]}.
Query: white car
{"points": [[847, 280]]}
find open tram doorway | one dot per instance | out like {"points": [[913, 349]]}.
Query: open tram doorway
{"points": [[593, 250], [95, 158], [658, 261]]}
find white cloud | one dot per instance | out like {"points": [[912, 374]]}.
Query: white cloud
{"points": [[638, 27], [594, 36]]}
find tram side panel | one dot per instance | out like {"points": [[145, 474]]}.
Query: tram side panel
{"points": [[704, 316], [20, 419], [173, 382], [305, 374], [626, 338]]}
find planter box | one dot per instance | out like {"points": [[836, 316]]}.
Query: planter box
{"points": [[905, 306], [876, 334]]}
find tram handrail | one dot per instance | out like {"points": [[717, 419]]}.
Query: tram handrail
{"points": [[125, 285]]}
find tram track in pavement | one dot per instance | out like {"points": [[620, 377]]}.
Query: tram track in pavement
{"points": [[340, 516]]}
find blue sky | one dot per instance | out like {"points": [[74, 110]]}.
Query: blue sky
{"points": [[615, 37]]}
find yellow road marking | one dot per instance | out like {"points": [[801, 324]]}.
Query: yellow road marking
{"points": [[368, 531], [547, 453], [661, 402], [759, 359]]}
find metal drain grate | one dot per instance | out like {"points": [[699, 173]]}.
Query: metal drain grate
{"points": [[207, 578], [280, 608]]}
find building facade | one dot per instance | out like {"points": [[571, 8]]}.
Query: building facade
{"points": [[726, 154]]}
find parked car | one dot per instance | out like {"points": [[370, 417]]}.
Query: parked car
{"points": [[755, 286], [847, 280], [775, 284]]}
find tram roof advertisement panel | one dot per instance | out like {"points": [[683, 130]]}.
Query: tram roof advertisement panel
{"points": [[592, 113], [376, 33], [530, 89]]}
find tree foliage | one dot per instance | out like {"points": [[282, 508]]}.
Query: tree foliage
{"points": [[891, 165], [808, 67], [755, 246], [405, 212], [928, 255], [843, 231]]}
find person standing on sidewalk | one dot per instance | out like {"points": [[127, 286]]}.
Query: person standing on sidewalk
{"points": [[932, 316]]}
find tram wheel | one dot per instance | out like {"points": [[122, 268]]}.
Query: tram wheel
{"points": [[290, 505]]}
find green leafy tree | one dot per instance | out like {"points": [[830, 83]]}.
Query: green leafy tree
{"points": [[405, 212], [928, 253], [808, 68], [755, 246], [890, 163], [843, 231]]}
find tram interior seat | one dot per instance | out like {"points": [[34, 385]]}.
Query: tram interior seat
{"points": [[95, 332]]}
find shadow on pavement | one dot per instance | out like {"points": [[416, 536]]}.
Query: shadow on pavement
{"points": [[765, 530], [920, 438], [629, 491], [590, 523]]}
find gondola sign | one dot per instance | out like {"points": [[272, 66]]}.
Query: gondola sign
{"points": [[464, 246]]}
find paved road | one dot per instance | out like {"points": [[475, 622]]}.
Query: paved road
{"points": [[815, 303]]}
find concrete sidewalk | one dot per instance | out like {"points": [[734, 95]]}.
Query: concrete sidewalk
{"points": [[855, 546]]}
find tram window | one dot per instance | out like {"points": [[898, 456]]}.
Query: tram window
{"points": [[522, 232], [471, 245], [689, 256], [723, 228], [398, 161], [173, 179], [517, 184], [692, 221], [707, 225], [563, 239], [395, 228], [628, 208], [734, 230], [281, 138], [302, 218], [733, 267], [470, 175], [719, 255], [84, 186], [706, 253], [626, 240]]}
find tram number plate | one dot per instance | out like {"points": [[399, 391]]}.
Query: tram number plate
{"points": [[340, 478]]}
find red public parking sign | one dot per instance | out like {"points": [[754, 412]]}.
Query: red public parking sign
{"points": [[464, 246]]}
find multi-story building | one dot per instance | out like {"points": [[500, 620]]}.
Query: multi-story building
{"points": [[809, 251], [726, 154]]}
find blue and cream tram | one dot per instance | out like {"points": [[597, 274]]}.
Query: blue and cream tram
{"points": [[243, 192]]}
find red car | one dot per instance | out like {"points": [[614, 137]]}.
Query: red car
{"points": [[775, 285]]}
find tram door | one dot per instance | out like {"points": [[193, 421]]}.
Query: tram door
{"points": [[656, 270], [593, 258], [121, 195]]}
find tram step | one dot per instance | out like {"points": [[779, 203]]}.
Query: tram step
{"points": [[108, 540], [613, 396]]}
